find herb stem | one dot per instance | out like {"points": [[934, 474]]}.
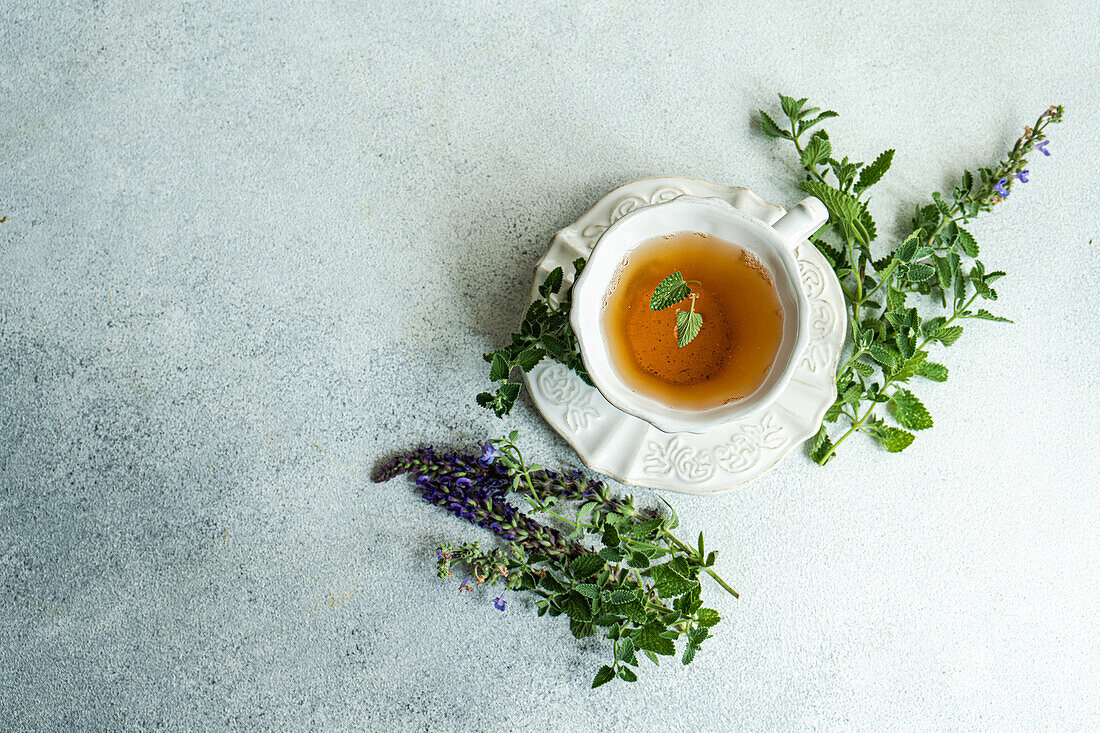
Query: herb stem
{"points": [[710, 571]]}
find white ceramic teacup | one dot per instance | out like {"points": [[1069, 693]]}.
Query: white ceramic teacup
{"points": [[772, 244]]}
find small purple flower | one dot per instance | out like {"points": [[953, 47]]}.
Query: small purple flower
{"points": [[463, 483], [1000, 188], [1041, 146], [499, 601], [489, 454], [1022, 176]]}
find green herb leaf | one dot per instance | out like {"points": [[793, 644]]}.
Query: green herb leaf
{"points": [[499, 370], [909, 411], [649, 638], [689, 653], [605, 675], [821, 447], [586, 566], [932, 370], [894, 440], [966, 241], [529, 357], [769, 128], [588, 590], [707, 617], [669, 292], [987, 316], [817, 150], [948, 335], [626, 674], [688, 324], [873, 173], [552, 283], [619, 597]]}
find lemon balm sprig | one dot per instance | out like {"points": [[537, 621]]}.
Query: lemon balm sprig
{"points": [[671, 291]]}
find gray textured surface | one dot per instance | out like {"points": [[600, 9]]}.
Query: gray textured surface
{"points": [[250, 248]]}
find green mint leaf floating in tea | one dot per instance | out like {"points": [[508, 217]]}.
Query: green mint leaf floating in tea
{"points": [[645, 606], [688, 325], [669, 292], [890, 335]]}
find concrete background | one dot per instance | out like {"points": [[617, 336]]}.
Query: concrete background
{"points": [[252, 248]]}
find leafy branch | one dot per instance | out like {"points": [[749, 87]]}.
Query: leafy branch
{"points": [[545, 331], [641, 586], [890, 339]]}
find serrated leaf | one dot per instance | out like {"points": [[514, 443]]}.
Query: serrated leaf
{"points": [[610, 536], [769, 128], [817, 150], [909, 369], [625, 652], [643, 529], [669, 292], [529, 357], [807, 124], [932, 370], [603, 676], [638, 560], [612, 554], [966, 241], [841, 206], [649, 638], [863, 368], [894, 440], [873, 173], [707, 617], [882, 355], [909, 411], [791, 106], [987, 316], [689, 653], [589, 590], [499, 370], [576, 606], [919, 272], [906, 250], [553, 281], [669, 584], [581, 629], [618, 597], [586, 566], [944, 276], [626, 674], [688, 325], [948, 335]]}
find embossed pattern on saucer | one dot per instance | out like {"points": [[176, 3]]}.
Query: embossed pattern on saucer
{"points": [[634, 452]]}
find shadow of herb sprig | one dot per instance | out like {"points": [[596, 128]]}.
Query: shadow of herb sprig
{"points": [[890, 338], [641, 586]]}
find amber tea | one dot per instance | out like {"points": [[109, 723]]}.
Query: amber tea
{"points": [[742, 322]]}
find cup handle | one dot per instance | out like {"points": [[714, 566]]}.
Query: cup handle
{"points": [[803, 219]]}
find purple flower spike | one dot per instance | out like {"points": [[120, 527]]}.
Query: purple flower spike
{"points": [[489, 454], [1041, 146], [462, 586], [499, 602], [1000, 188], [1022, 176]]}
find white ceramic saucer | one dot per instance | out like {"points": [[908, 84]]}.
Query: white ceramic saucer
{"points": [[631, 450]]}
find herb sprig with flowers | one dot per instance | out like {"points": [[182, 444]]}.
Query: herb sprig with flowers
{"points": [[638, 583], [891, 338]]}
